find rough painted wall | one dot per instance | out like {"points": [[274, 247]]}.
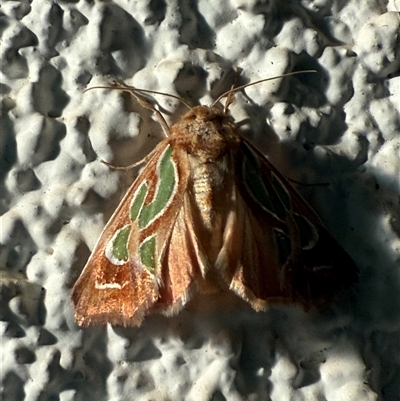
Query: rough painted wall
{"points": [[340, 125]]}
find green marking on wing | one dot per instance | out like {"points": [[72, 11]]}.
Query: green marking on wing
{"points": [[253, 177], [308, 232], [165, 188], [147, 251], [138, 201], [281, 191], [120, 244]]}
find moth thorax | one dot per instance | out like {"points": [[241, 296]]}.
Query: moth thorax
{"points": [[206, 133]]}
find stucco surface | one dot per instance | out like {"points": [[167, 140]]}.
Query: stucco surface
{"points": [[339, 125]]}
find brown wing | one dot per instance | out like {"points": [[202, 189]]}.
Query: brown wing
{"points": [[122, 293], [181, 263], [276, 247]]}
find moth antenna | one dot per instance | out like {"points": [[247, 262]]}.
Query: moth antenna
{"points": [[231, 94], [135, 92], [119, 85], [231, 91]]}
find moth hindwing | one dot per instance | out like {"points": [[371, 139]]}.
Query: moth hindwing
{"points": [[208, 211]]}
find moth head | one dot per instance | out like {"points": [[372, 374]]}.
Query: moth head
{"points": [[206, 131]]}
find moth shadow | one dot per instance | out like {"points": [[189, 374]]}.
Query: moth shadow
{"points": [[250, 346]]}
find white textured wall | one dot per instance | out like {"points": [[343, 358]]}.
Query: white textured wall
{"points": [[340, 125]]}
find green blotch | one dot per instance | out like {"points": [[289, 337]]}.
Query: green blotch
{"points": [[166, 184], [281, 191], [308, 232], [147, 251], [253, 176], [120, 244], [138, 201]]}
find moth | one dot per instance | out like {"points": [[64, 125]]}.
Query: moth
{"points": [[208, 212]]}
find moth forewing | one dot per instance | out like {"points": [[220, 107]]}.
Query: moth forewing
{"points": [[208, 212], [122, 292], [316, 266]]}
